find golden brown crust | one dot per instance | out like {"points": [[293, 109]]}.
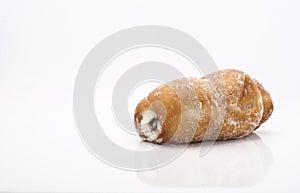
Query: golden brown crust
{"points": [[246, 106], [267, 102]]}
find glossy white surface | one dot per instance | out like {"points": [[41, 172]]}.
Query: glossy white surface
{"points": [[42, 44]]}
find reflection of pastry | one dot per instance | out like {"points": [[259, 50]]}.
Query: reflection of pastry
{"points": [[190, 110], [227, 164]]}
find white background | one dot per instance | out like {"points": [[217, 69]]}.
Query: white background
{"points": [[42, 44]]}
